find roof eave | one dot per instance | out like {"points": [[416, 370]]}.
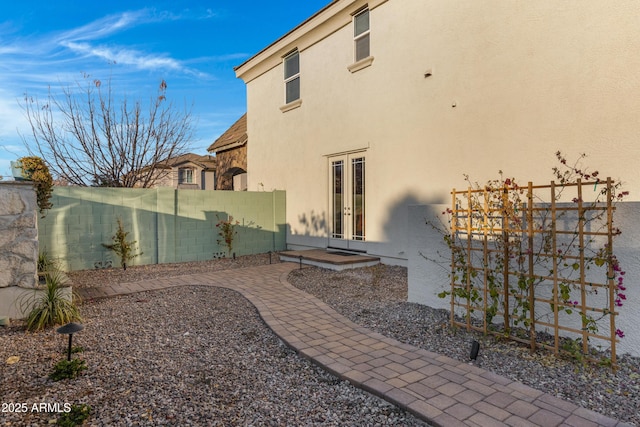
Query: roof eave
{"points": [[319, 26], [231, 146], [285, 36]]}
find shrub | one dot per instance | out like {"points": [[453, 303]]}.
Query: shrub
{"points": [[227, 232], [121, 246], [35, 169], [46, 263], [68, 369], [75, 417], [52, 307]]}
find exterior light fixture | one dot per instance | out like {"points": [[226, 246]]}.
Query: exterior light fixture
{"points": [[70, 329], [475, 349]]}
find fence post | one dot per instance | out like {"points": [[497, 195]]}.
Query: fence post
{"points": [[469, 265], [610, 273], [583, 293], [485, 256], [454, 228], [505, 242], [532, 302], [554, 247]]}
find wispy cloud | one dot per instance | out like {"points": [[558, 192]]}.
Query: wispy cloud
{"points": [[35, 55], [12, 119], [220, 58], [33, 61], [106, 26], [12, 115], [120, 55], [79, 41], [9, 50]]}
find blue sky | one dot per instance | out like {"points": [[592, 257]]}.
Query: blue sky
{"points": [[193, 45]]}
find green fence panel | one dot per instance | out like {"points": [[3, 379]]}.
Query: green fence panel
{"points": [[168, 225]]}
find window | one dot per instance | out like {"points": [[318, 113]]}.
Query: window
{"points": [[361, 34], [185, 176], [292, 77]]}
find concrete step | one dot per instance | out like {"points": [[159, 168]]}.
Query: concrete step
{"points": [[329, 259]]}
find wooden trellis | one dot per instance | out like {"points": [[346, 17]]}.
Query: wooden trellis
{"points": [[525, 263]]}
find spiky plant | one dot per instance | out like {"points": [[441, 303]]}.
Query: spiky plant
{"points": [[53, 306]]}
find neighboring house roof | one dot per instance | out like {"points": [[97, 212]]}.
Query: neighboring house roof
{"points": [[205, 162], [235, 136]]}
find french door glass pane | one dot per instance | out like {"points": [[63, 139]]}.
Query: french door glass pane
{"points": [[337, 175], [357, 167]]}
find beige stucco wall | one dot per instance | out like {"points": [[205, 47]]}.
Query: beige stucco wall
{"points": [[511, 84], [170, 178]]}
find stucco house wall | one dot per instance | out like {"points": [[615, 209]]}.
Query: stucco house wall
{"points": [[454, 88], [202, 168]]}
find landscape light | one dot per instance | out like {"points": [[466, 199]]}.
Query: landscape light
{"points": [[70, 329], [475, 349]]}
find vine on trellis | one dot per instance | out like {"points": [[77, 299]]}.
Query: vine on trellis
{"points": [[525, 259]]}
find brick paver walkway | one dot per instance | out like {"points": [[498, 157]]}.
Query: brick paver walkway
{"points": [[433, 387]]}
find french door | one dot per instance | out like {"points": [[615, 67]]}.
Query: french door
{"points": [[347, 201]]}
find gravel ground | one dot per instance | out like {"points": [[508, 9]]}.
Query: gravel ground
{"points": [[190, 356], [110, 276], [376, 298], [150, 364]]}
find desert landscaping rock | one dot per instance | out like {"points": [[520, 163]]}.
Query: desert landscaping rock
{"points": [[183, 356], [374, 298], [202, 356]]}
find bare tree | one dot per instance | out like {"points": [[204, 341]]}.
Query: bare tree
{"points": [[88, 136]]}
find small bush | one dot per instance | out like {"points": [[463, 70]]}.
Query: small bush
{"points": [[46, 263], [53, 307], [77, 349], [121, 246], [227, 232], [68, 369], [75, 417]]}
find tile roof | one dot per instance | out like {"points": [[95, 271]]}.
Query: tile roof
{"points": [[206, 162], [234, 136]]}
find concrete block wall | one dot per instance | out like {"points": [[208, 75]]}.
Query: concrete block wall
{"points": [[428, 278], [83, 218], [169, 225]]}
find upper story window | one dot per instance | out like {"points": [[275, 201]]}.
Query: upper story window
{"points": [[361, 35], [185, 176], [292, 77]]}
